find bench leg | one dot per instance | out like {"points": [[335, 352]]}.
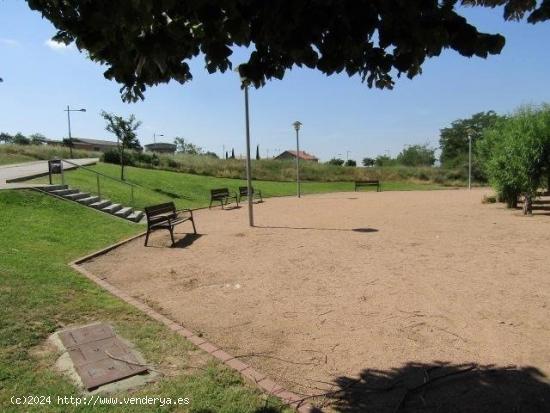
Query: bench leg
{"points": [[210, 206], [146, 238], [193, 222], [171, 229]]}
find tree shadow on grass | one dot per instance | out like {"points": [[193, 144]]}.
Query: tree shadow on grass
{"points": [[172, 195], [444, 387]]}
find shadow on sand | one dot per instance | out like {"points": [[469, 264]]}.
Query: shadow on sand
{"points": [[443, 387], [183, 240], [320, 229]]}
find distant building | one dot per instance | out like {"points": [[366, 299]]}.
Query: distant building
{"points": [[95, 145], [291, 155], [161, 147]]}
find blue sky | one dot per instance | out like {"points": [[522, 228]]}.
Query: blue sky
{"points": [[338, 113]]}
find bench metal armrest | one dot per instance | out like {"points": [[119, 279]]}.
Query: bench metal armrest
{"points": [[190, 211]]}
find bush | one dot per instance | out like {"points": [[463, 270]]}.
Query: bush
{"points": [[516, 154], [113, 156], [350, 162]]}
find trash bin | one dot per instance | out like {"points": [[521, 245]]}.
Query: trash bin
{"points": [[55, 167]]}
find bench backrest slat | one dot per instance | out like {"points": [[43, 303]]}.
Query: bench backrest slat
{"points": [[243, 190], [219, 192], [370, 182], [160, 209]]}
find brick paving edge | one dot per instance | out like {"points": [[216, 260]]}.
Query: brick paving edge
{"points": [[250, 374]]}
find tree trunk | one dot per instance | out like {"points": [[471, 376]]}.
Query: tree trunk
{"points": [[122, 163], [527, 205]]}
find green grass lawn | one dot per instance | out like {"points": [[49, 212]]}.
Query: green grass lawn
{"points": [[39, 294], [192, 191]]}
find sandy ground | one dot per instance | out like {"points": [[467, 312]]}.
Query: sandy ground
{"points": [[336, 286]]}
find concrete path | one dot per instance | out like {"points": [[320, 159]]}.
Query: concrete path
{"points": [[28, 170]]}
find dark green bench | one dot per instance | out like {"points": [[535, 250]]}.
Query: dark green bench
{"points": [[243, 192], [223, 196], [165, 216], [371, 182]]}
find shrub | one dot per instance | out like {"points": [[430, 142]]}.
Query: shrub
{"points": [[113, 156], [516, 154]]}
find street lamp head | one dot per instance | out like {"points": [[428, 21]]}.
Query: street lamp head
{"points": [[297, 125], [82, 110], [244, 80]]}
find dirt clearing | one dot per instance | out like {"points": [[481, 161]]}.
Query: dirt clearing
{"points": [[328, 286]]}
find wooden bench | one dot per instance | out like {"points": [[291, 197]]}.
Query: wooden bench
{"points": [[223, 196], [243, 192], [165, 216], [372, 182]]}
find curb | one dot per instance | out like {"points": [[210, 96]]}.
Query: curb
{"points": [[246, 371]]}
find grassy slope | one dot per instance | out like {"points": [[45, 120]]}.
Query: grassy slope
{"points": [[11, 158], [191, 191], [39, 293]]}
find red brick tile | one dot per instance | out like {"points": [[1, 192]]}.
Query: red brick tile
{"points": [[222, 355], [236, 364], [173, 326], [270, 386], [252, 374], [196, 340], [208, 347], [185, 332]]}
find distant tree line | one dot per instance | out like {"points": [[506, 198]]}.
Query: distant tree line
{"points": [[20, 139], [411, 155]]}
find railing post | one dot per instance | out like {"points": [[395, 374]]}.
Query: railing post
{"points": [[98, 188]]}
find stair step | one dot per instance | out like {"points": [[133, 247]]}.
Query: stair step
{"points": [[124, 212], [102, 203], [111, 209], [89, 200], [51, 188], [77, 196], [63, 192], [136, 216]]}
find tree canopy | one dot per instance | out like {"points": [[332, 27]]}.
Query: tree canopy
{"points": [[416, 155], [125, 132], [147, 42], [453, 140]]}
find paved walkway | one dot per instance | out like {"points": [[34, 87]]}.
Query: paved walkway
{"points": [[28, 170]]}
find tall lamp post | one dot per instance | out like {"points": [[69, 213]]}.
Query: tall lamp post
{"points": [[245, 83], [297, 125], [155, 137], [69, 110]]}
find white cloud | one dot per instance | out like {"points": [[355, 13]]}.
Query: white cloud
{"points": [[56, 46], [9, 42]]}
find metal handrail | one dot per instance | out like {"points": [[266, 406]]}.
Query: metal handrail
{"points": [[98, 174]]}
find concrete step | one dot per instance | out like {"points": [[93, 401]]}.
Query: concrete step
{"points": [[124, 212], [102, 203], [63, 192], [51, 188], [77, 196], [89, 200], [135, 216], [111, 209]]}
